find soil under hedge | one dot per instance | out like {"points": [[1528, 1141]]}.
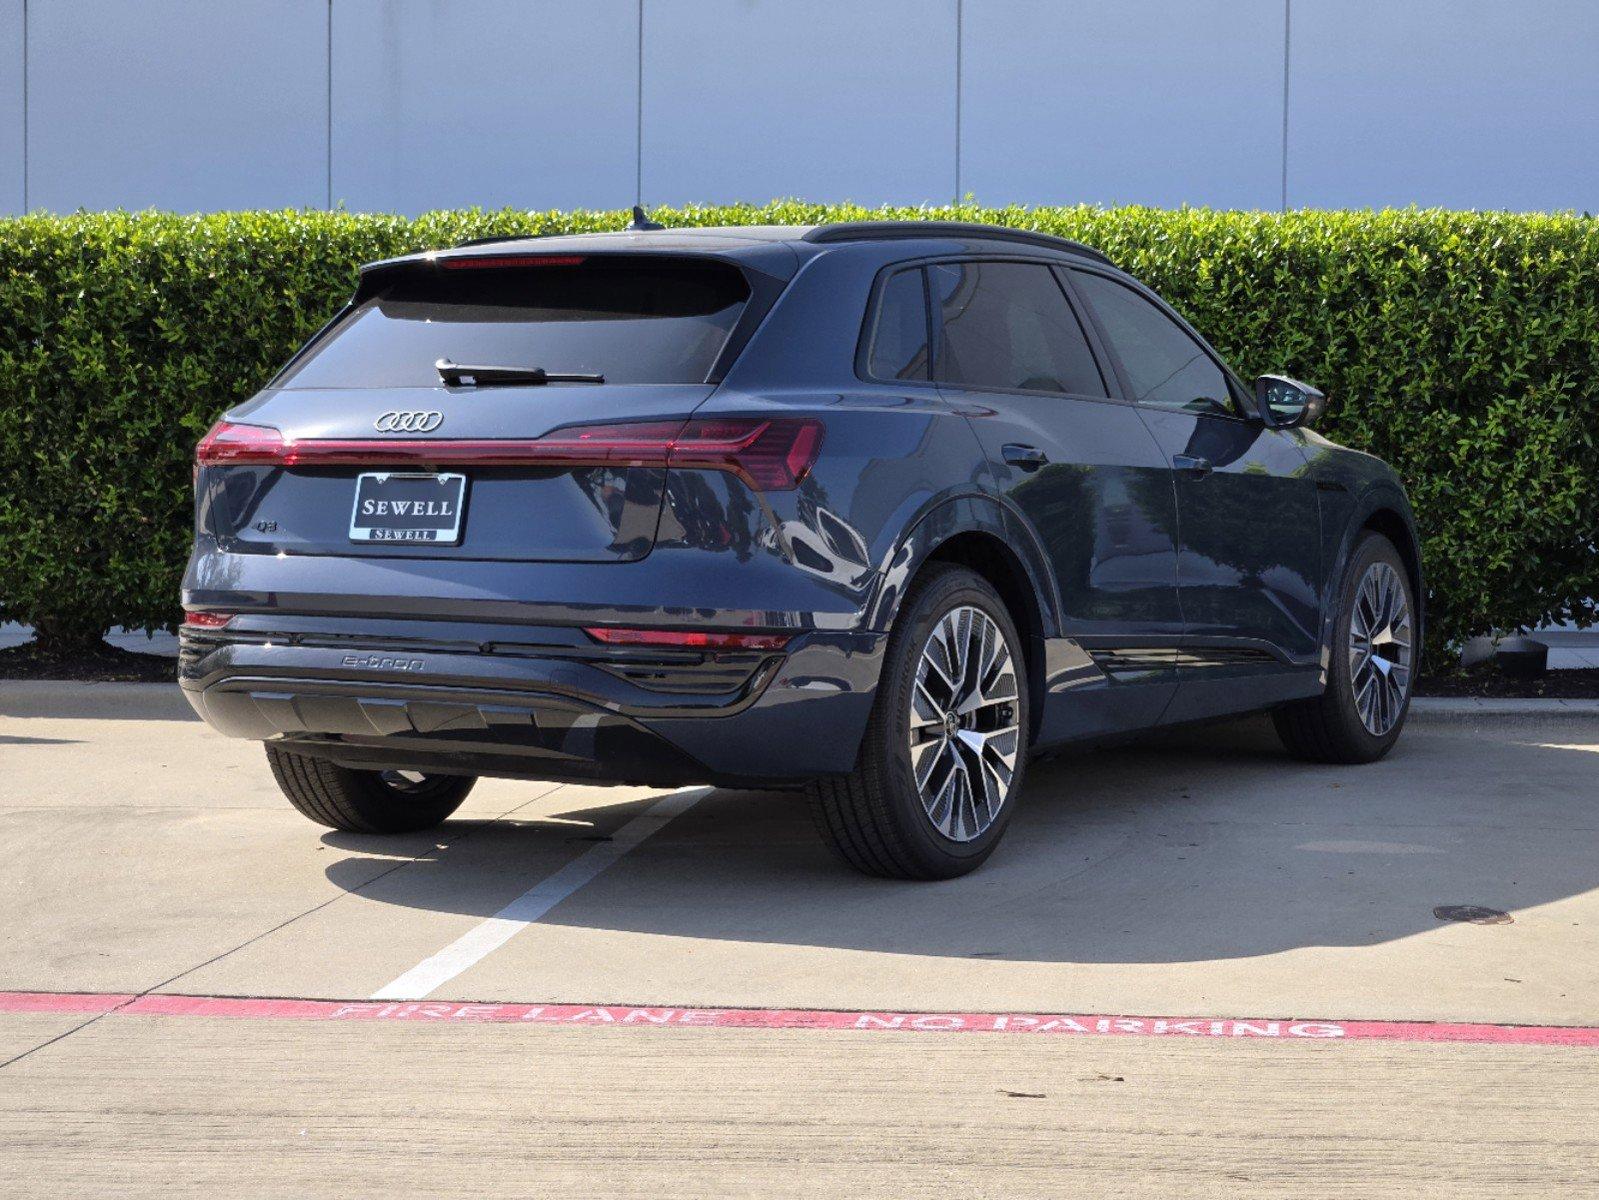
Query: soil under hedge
{"points": [[110, 664], [1580, 684], [115, 665]]}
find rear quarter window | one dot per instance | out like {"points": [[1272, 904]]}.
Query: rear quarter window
{"points": [[898, 348], [632, 321]]}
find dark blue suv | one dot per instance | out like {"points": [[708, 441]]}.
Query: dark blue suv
{"points": [[879, 509]]}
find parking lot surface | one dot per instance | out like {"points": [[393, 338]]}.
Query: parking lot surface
{"points": [[612, 991]]}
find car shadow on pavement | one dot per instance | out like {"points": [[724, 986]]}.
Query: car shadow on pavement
{"points": [[1188, 847]]}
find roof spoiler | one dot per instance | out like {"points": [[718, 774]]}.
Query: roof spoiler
{"points": [[855, 231]]}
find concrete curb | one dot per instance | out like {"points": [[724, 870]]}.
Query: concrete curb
{"points": [[1466, 708]]}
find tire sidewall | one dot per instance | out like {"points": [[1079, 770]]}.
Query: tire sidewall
{"points": [[359, 801], [397, 811], [953, 587], [1372, 548]]}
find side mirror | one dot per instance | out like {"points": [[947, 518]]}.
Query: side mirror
{"points": [[1285, 403]]}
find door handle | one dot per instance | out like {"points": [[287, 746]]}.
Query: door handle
{"points": [[1028, 458], [1187, 462]]}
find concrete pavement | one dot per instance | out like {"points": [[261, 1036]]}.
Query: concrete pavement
{"points": [[142, 1107], [1205, 875]]}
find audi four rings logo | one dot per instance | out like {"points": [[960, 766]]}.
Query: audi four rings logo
{"points": [[408, 422]]}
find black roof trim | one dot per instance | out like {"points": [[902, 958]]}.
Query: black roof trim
{"points": [[855, 231]]}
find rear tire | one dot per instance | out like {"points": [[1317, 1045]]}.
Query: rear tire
{"points": [[366, 801], [894, 818], [1332, 728]]}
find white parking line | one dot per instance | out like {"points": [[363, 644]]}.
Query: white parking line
{"points": [[482, 940]]}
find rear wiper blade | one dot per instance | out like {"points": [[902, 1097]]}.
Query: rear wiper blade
{"points": [[462, 375]]}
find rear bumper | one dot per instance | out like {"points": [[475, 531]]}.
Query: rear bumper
{"points": [[533, 702]]}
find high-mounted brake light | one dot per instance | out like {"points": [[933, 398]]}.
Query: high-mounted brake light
{"points": [[770, 454], [695, 639], [207, 620], [482, 262]]}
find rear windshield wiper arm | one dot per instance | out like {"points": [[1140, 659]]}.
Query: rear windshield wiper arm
{"points": [[462, 375]]}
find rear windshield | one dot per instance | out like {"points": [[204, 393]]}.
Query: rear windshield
{"points": [[631, 321]]}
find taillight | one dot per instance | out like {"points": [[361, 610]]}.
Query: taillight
{"points": [[638, 444], [771, 454], [696, 639], [239, 444], [207, 620]]}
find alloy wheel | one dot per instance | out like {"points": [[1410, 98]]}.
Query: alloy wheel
{"points": [[412, 785], [964, 736], [1380, 651]]}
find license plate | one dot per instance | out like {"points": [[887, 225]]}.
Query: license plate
{"points": [[408, 507]]}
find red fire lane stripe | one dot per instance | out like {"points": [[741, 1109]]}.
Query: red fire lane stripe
{"points": [[1079, 1024]]}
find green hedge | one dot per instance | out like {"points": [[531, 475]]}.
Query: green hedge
{"points": [[1462, 347]]}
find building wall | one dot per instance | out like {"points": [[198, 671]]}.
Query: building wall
{"points": [[1461, 103], [408, 105], [11, 110]]}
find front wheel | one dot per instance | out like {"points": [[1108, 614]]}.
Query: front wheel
{"points": [[946, 745], [366, 801], [1373, 665]]}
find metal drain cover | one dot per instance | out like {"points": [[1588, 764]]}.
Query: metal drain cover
{"points": [[1474, 914]]}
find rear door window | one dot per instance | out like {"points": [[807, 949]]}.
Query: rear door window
{"points": [[629, 319], [1008, 325], [898, 347], [1165, 366]]}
